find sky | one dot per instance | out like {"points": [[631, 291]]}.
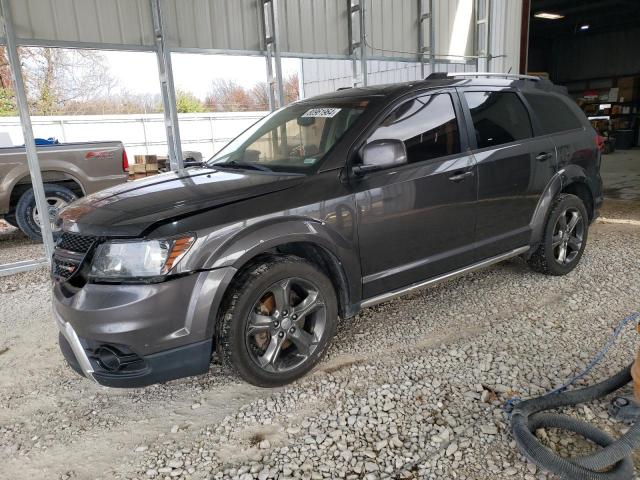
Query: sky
{"points": [[137, 72]]}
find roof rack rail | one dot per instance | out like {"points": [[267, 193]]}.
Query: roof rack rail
{"points": [[514, 76]]}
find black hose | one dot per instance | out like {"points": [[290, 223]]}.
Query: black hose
{"points": [[613, 462]]}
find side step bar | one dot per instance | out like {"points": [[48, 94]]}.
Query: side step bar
{"points": [[447, 276]]}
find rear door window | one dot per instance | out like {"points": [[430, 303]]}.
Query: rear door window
{"points": [[498, 118], [553, 113], [427, 125]]}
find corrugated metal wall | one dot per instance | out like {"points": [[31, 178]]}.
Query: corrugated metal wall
{"points": [[314, 26], [506, 18], [307, 27], [213, 24], [320, 76], [87, 21], [392, 27]]}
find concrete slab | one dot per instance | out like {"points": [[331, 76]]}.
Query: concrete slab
{"points": [[621, 174]]}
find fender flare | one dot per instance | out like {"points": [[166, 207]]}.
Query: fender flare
{"points": [[239, 249], [564, 177]]}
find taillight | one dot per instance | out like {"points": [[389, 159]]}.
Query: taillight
{"points": [[600, 143], [125, 161]]}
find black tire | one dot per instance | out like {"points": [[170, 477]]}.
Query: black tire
{"points": [[26, 207], [548, 258], [242, 352]]}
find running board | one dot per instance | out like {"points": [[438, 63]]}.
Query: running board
{"points": [[447, 276]]}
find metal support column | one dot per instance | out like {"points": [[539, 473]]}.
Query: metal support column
{"points": [[27, 129], [357, 48], [425, 18], [167, 88], [270, 29], [482, 9]]}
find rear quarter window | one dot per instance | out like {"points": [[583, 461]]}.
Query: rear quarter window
{"points": [[553, 113], [498, 118]]}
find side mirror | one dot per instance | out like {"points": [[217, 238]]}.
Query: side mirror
{"points": [[381, 154]]}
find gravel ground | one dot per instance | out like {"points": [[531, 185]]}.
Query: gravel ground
{"points": [[412, 388]]}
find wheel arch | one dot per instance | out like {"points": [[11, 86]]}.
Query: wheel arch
{"points": [[57, 177], [308, 239], [573, 180]]}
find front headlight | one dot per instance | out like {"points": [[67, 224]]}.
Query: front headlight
{"points": [[138, 259]]}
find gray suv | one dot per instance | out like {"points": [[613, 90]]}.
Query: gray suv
{"points": [[322, 208]]}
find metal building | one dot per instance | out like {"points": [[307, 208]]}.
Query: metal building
{"points": [[364, 41]]}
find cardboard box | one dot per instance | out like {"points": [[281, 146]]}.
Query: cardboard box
{"points": [[150, 159], [626, 82], [151, 167], [626, 95], [139, 168], [139, 159]]}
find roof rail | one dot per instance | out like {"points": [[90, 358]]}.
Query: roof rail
{"points": [[514, 76]]}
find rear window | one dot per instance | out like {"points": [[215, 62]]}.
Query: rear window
{"points": [[498, 118], [553, 113]]}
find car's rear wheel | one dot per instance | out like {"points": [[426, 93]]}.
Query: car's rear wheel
{"points": [[27, 217], [277, 322], [565, 237]]}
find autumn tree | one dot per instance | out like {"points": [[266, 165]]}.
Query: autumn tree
{"points": [[228, 96], [291, 89], [259, 96]]}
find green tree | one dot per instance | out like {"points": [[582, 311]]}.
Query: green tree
{"points": [[187, 102], [7, 103]]}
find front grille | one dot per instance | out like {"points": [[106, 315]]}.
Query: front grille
{"points": [[63, 268], [75, 242], [69, 256]]}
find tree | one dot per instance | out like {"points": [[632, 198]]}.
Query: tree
{"points": [[260, 96], [227, 96], [7, 103], [187, 102], [291, 89], [60, 80]]}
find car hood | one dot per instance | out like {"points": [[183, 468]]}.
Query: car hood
{"points": [[129, 209]]}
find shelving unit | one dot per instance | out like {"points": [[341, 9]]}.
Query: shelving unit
{"points": [[618, 118]]}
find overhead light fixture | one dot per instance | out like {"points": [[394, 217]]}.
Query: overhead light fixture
{"points": [[584, 27], [548, 15]]}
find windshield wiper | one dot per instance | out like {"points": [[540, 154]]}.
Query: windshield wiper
{"points": [[245, 165]]}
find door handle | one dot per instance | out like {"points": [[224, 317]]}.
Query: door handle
{"points": [[461, 176], [543, 156]]}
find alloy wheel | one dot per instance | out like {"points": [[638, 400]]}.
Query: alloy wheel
{"points": [[568, 235], [286, 325]]}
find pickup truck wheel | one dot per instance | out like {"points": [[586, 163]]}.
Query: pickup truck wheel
{"points": [[27, 218], [564, 239], [277, 321]]}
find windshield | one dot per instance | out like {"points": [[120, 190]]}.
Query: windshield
{"points": [[292, 139]]}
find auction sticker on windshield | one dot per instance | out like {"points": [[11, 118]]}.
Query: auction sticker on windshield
{"points": [[326, 112]]}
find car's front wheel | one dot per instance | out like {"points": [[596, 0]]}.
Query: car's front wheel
{"points": [[277, 321], [565, 237]]}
